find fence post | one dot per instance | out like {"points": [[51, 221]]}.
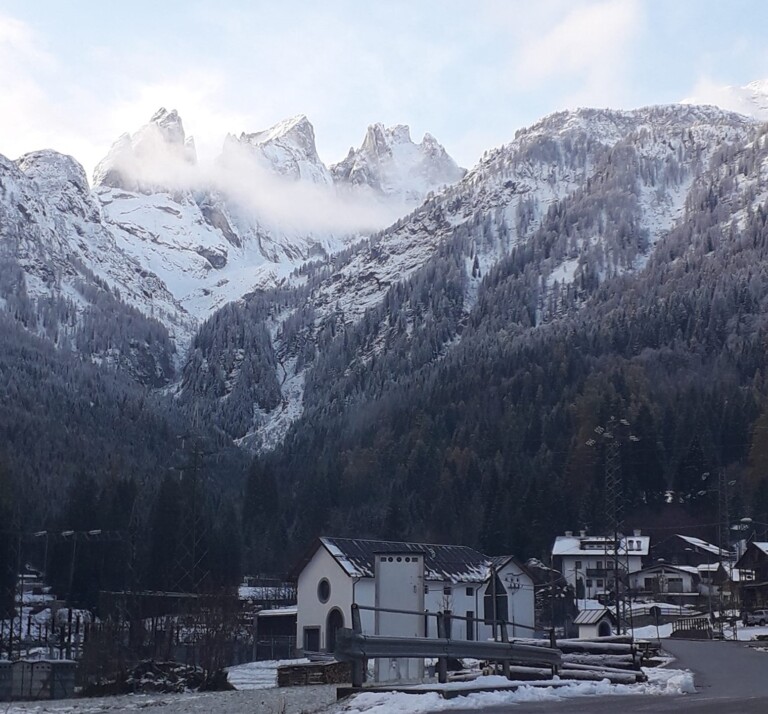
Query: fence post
{"points": [[442, 662], [356, 622], [553, 645], [69, 632], [255, 627], [505, 638]]}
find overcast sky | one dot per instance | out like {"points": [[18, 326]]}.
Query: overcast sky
{"points": [[74, 75]]}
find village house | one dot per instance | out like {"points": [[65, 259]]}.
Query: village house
{"points": [[688, 550], [337, 572], [680, 584], [588, 562], [753, 570]]}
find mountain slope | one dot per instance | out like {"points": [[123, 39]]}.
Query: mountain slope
{"points": [[606, 186], [63, 276], [485, 442]]}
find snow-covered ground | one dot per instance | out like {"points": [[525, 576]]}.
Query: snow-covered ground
{"points": [[743, 634], [750, 633], [290, 700], [660, 682], [304, 700], [650, 632]]}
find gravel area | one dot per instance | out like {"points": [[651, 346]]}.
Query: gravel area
{"points": [[288, 700]]}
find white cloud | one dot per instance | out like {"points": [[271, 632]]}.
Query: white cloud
{"points": [[590, 44], [752, 101], [25, 107], [586, 46]]}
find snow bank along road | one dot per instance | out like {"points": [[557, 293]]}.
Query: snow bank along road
{"points": [[730, 678]]}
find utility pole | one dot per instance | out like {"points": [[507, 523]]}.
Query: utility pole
{"points": [[193, 537], [611, 436]]}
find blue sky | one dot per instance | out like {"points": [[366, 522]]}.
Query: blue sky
{"points": [[74, 75]]}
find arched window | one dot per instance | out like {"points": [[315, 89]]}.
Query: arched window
{"points": [[333, 622]]}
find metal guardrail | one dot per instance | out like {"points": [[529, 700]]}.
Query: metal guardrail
{"points": [[353, 646]]}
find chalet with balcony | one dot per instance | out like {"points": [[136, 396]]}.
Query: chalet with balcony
{"points": [[671, 583], [588, 562]]}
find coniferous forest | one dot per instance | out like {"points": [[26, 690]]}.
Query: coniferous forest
{"points": [[457, 408]]}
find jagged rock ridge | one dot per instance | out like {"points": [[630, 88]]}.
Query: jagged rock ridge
{"points": [[390, 163]]}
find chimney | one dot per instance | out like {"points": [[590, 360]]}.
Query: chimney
{"points": [[583, 534], [637, 533], [568, 534]]}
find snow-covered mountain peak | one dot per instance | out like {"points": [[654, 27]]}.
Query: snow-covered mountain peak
{"points": [[170, 125], [297, 128], [54, 171], [154, 158], [751, 99], [287, 149], [390, 163]]}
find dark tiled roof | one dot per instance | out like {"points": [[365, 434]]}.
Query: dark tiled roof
{"points": [[452, 563]]}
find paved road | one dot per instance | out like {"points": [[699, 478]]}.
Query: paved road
{"points": [[730, 678]]}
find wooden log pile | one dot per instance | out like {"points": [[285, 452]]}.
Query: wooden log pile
{"points": [[306, 673], [616, 658]]}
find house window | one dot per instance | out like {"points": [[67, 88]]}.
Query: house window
{"points": [[599, 565], [447, 590], [470, 592], [323, 590], [599, 583], [577, 565], [589, 583], [609, 565], [675, 585]]}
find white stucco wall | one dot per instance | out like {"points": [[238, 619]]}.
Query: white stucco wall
{"points": [[590, 561], [311, 611], [590, 631], [314, 613]]}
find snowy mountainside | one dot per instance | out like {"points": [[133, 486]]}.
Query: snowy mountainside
{"points": [[390, 163], [751, 99], [213, 234], [63, 273], [599, 188], [203, 250]]}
